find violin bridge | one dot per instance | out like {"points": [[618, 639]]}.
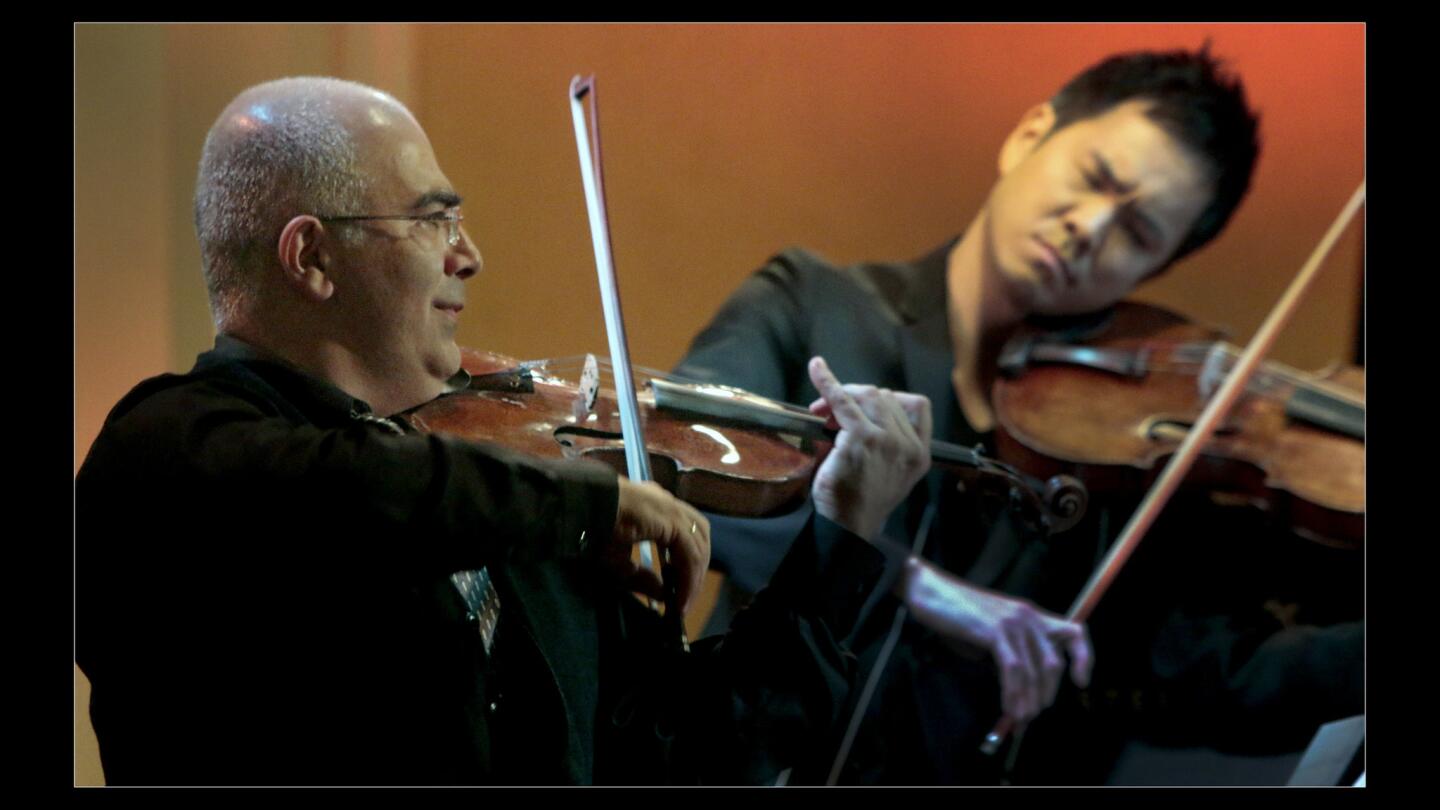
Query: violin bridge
{"points": [[588, 390]]}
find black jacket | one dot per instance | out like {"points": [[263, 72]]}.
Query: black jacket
{"points": [[263, 597]]}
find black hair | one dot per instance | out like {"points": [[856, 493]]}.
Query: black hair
{"points": [[1196, 101]]}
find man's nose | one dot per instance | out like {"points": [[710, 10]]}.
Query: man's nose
{"points": [[1088, 222], [463, 260]]}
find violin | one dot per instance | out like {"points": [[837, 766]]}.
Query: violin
{"points": [[1111, 405], [527, 407], [720, 449]]}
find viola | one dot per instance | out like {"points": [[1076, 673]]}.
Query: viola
{"points": [[721, 449], [1110, 407], [1179, 464]]}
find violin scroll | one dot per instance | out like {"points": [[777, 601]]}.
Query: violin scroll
{"points": [[1066, 499]]}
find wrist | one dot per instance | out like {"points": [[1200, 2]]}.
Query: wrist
{"points": [[909, 584], [853, 521]]}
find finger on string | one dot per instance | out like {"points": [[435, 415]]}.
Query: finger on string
{"points": [[898, 416], [917, 406], [822, 409], [917, 412], [890, 417], [907, 416], [845, 410]]}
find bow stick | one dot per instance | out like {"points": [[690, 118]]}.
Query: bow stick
{"points": [[637, 461]]}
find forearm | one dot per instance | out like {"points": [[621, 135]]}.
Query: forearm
{"points": [[354, 494]]}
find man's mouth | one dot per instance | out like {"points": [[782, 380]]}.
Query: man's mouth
{"points": [[451, 309], [1056, 264]]}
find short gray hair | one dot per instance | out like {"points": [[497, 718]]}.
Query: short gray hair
{"points": [[300, 157]]}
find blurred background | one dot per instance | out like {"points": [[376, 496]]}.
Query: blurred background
{"points": [[723, 145]]}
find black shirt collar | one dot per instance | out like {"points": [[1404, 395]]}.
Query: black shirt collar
{"points": [[282, 373], [231, 349], [920, 300]]}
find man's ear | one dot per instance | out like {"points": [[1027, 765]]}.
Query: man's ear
{"points": [[1034, 125], [302, 258]]}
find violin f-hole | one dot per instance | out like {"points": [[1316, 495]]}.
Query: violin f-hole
{"points": [[1173, 429]]}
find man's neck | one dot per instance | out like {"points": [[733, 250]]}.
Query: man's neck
{"points": [[977, 290], [385, 392], [981, 314]]}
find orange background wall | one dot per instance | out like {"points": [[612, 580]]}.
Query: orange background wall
{"points": [[723, 144]]}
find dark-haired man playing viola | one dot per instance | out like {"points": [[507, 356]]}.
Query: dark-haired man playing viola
{"points": [[1134, 164]]}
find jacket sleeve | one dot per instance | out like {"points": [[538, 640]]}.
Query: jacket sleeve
{"points": [[765, 318], [215, 456]]}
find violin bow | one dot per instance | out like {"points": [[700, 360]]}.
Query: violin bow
{"points": [[1180, 463], [637, 460]]}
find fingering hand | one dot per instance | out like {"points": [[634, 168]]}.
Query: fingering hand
{"points": [[881, 452]]}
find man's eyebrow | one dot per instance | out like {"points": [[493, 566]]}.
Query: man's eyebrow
{"points": [[445, 197], [1108, 174]]}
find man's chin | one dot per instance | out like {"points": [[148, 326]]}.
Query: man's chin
{"points": [[443, 366], [452, 360]]}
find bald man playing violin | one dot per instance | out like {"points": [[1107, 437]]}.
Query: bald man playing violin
{"points": [[1134, 164], [278, 583]]}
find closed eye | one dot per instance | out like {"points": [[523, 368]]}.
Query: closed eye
{"points": [[1137, 235], [1140, 231]]}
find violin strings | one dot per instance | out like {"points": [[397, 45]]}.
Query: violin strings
{"points": [[576, 362], [1270, 376], [1293, 376]]}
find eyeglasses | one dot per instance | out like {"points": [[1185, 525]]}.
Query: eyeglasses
{"points": [[451, 218]]}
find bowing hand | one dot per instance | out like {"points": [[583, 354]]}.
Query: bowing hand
{"points": [[1028, 645], [647, 512]]}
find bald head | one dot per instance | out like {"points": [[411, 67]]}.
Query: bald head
{"points": [[280, 149]]}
